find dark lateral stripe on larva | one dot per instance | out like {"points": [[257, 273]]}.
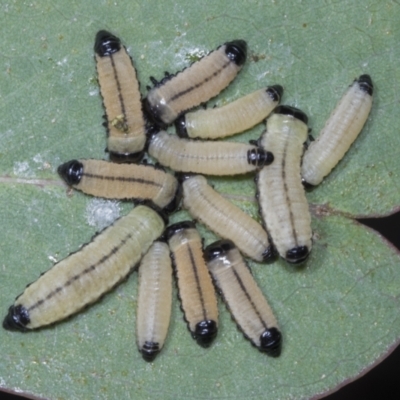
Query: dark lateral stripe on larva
{"points": [[121, 179], [191, 88], [288, 202], [84, 272], [196, 276], [248, 297], [120, 97]]}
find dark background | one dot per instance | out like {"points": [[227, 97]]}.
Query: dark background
{"points": [[381, 382]]}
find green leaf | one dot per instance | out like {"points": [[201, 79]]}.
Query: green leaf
{"points": [[338, 314]]}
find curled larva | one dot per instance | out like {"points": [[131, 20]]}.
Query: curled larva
{"points": [[196, 84], [233, 118], [83, 277], [243, 297], [340, 131], [283, 204], [196, 291], [206, 157], [225, 219], [119, 88], [154, 300], [122, 181]]}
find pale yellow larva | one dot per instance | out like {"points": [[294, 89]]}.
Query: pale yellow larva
{"points": [[235, 117], [154, 300], [225, 219], [83, 277], [243, 297], [340, 131], [196, 84], [121, 99], [122, 181], [196, 291], [206, 157], [283, 204]]}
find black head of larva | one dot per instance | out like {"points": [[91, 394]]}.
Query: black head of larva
{"points": [[275, 92], [71, 172], [268, 253], [297, 255], [271, 342], [236, 51], [150, 350], [180, 125], [16, 319], [365, 84], [106, 44], [205, 332], [179, 226], [126, 157], [259, 157], [218, 249], [292, 111]]}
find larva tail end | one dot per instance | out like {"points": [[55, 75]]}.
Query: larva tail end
{"points": [[271, 342], [180, 125], [297, 255], [121, 158], [71, 172], [16, 319], [150, 351], [160, 211], [106, 43], [218, 249], [237, 51], [365, 84], [205, 332], [275, 92], [268, 254]]}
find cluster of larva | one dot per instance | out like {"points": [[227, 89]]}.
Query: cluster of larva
{"points": [[143, 236]]}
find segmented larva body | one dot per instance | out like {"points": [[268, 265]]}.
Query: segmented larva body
{"points": [[196, 291], [243, 297], [339, 132], [154, 300], [122, 181], [121, 99], [209, 158], [225, 219], [283, 204], [196, 84], [83, 277], [235, 117]]}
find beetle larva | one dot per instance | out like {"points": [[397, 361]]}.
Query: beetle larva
{"points": [[154, 300], [83, 277], [119, 88], [122, 181], [339, 132], [209, 158], [244, 299], [196, 291], [196, 84], [225, 219], [233, 118], [281, 195]]}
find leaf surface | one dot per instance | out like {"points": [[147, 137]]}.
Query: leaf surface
{"points": [[338, 314]]}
